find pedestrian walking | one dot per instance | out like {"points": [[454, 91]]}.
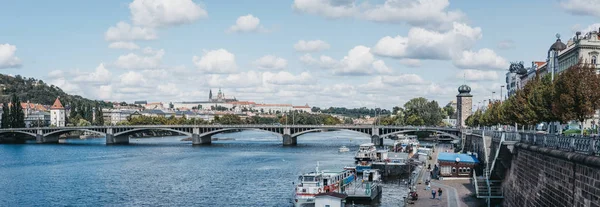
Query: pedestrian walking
{"points": [[428, 186], [433, 194], [440, 193]]}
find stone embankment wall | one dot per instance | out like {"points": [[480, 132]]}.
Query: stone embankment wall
{"points": [[548, 177]]}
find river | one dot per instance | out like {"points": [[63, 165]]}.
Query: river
{"points": [[252, 170]]}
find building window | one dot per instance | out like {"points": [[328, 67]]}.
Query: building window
{"points": [[453, 169], [445, 170], [594, 60]]}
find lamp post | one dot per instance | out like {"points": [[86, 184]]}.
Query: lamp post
{"points": [[501, 97], [493, 92]]}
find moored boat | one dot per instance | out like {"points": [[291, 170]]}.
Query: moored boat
{"points": [[344, 149], [313, 183]]}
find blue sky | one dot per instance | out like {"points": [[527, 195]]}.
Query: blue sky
{"points": [[376, 53]]}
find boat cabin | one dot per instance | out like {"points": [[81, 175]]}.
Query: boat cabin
{"points": [[330, 199], [456, 165], [371, 175]]}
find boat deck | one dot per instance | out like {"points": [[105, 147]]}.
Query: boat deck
{"points": [[363, 192]]}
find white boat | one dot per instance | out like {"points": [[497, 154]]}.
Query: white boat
{"points": [[366, 152], [314, 183], [344, 149], [408, 145]]}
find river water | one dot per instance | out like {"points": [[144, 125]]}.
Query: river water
{"points": [[252, 170]]}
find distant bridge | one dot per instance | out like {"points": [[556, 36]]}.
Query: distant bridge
{"points": [[202, 134]]}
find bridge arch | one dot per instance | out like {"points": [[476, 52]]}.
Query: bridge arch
{"points": [[424, 130], [63, 131], [144, 129], [306, 132], [218, 131], [19, 132]]}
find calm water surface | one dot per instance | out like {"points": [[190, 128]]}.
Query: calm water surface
{"points": [[252, 170]]}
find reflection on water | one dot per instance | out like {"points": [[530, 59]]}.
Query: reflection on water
{"points": [[252, 170]]}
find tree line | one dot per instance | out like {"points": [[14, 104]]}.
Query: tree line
{"points": [[82, 114], [353, 113], [417, 112], [13, 116], [573, 95]]}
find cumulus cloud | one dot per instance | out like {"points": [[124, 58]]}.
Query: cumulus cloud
{"points": [[8, 58], [270, 62], [161, 13], [124, 45], [403, 79], [581, 7], [423, 13], [359, 61], [432, 14], [125, 32], [216, 62], [327, 8], [237, 80], [152, 59], [100, 76], [426, 44], [482, 59], [132, 78], [248, 23], [311, 46], [287, 78], [477, 75]]}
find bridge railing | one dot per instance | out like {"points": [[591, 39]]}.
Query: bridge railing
{"points": [[572, 143]]}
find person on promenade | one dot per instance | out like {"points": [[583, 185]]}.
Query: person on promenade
{"points": [[428, 185], [440, 193], [433, 194]]}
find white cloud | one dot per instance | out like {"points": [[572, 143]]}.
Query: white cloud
{"points": [[8, 58], [403, 80], [311, 46], [135, 61], [104, 92], [477, 75], [168, 88], [506, 44], [286, 78], [425, 44], [324, 61], [248, 23], [124, 45], [161, 13], [216, 62], [132, 78], [270, 62], [582, 7], [424, 13], [126, 32], [237, 80], [359, 61], [482, 59], [413, 63], [100, 76], [592, 27], [327, 8]]}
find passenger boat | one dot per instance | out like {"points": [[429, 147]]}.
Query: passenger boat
{"points": [[366, 152], [313, 183], [408, 145], [344, 149]]}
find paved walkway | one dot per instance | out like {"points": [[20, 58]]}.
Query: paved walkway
{"points": [[456, 193]]}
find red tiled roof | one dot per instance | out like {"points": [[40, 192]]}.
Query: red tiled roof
{"points": [[57, 105], [539, 63]]}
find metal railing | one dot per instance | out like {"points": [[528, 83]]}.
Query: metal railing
{"points": [[573, 143]]}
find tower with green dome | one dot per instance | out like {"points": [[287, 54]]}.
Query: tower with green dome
{"points": [[464, 105]]}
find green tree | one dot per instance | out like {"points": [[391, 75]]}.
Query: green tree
{"points": [[230, 119], [414, 120], [17, 117], [99, 116], [449, 111], [577, 93], [5, 116]]}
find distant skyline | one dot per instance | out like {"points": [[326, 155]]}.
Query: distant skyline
{"points": [[349, 53]]}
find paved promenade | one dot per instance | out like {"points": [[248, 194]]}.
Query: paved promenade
{"points": [[456, 193]]}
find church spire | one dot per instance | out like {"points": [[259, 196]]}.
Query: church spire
{"points": [[210, 94]]}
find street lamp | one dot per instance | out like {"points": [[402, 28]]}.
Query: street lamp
{"points": [[501, 97], [493, 92]]}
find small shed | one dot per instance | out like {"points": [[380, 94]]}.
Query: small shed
{"points": [[456, 165], [330, 199]]}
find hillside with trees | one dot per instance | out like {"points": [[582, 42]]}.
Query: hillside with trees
{"points": [[36, 91]]}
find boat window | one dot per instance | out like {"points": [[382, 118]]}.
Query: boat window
{"points": [[309, 178], [325, 182]]}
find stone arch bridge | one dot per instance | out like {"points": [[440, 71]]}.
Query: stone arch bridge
{"points": [[202, 134]]}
